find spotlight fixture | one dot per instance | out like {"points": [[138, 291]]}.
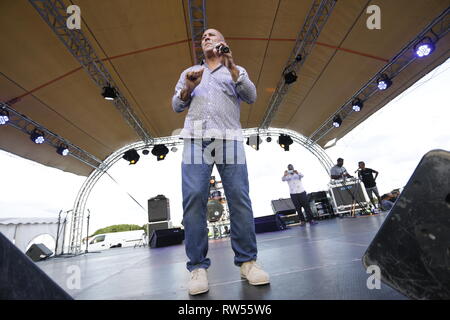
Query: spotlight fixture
{"points": [[337, 121], [290, 77], [160, 151], [4, 116], [37, 136], [285, 141], [254, 141], [174, 149], [131, 156], [109, 93], [62, 150], [357, 105], [424, 48], [145, 152], [384, 82], [269, 139]]}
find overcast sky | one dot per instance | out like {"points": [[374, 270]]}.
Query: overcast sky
{"points": [[392, 141]]}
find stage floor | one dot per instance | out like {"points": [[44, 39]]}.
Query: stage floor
{"points": [[310, 262]]}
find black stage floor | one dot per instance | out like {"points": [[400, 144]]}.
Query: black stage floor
{"points": [[311, 262]]}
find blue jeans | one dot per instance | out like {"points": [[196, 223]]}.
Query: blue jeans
{"points": [[197, 166]]}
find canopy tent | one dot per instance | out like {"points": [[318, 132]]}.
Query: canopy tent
{"points": [[145, 44]]}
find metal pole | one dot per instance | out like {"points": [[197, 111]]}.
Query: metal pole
{"points": [[57, 232], [87, 234]]}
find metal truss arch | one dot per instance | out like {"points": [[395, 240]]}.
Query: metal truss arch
{"points": [[76, 229]]}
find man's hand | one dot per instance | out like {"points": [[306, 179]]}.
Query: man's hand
{"points": [[193, 79], [227, 61], [295, 171], [285, 173]]}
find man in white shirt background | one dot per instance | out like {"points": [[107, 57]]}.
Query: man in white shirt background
{"points": [[298, 195]]}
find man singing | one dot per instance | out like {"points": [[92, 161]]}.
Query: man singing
{"points": [[212, 94], [298, 195]]}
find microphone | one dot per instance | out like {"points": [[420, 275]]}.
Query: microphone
{"points": [[357, 170], [222, 49]]}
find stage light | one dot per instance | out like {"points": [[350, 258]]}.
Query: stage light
{"points": [[174, 149], [160, 151], [424, 48], [37, 136], [337, 121], [145, 152], [62, 150], [290, 77], [384, 82], [4, 116], [285, 141], [357, 105], [269, 139], [254, 141], [131, 156], [109, 93]]}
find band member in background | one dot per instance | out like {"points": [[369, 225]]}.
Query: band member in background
{"points": [[338, 172], [366, 175], [212, 93], [298, 194]]}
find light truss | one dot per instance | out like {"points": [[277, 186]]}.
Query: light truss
{"points": [[54, 14], [306, 39], [437, 29], [27, 126], [198, 23]]}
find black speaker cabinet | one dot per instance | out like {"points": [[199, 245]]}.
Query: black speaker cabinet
{"points": [[166, 237], [38, 251], [21, 278], [283, 206], [412, 247], [343, 195], [269, 224], [158, 209], [152, 227]]}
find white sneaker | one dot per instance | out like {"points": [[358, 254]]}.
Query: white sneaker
{"points": [[254, 274], [198, 282]]}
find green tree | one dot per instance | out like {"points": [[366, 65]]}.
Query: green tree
{"points": [[119, 228]]}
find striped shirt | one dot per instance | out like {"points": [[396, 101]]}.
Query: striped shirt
{"points": [[214, 108]]}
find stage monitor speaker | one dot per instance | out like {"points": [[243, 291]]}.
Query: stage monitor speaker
{"points": [[283, 206], [38, 251], [21, 278], [158, 209], [166, 237], [152, 227], [412, 247], [269, 224]]}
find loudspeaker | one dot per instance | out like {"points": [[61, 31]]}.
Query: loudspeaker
{"points": [[269, 224], [21, 278], [38, 251], [412, 247], [158, 209], [166, 237], [151, 227], [283, 206]]}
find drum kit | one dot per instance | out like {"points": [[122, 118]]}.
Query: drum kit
{"points": [[217, 213]]}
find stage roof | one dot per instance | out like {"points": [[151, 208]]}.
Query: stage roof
{"points": [[145, 44]]}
